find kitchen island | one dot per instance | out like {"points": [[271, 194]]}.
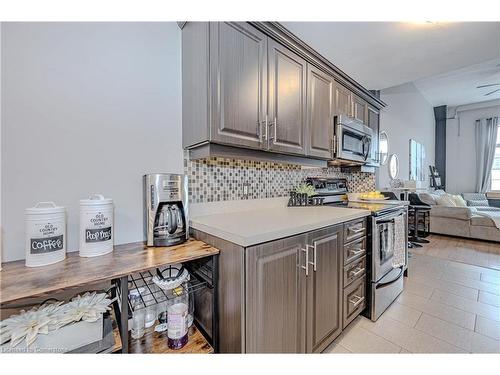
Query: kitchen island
{"points": [[252, 227], [291, 278]]}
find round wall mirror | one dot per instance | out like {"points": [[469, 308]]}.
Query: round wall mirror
{"points": [[393, 166], [383, 145]]}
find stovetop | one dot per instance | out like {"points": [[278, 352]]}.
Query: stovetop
{"points": [[334, 191], [375, 208]]}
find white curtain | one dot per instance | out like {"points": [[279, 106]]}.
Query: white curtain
{"points": [[486, 139]]}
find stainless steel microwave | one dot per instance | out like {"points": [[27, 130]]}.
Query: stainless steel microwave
{"points": [[352, 141]]}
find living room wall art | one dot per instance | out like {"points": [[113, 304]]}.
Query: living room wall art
{"points": [[417, 161]]}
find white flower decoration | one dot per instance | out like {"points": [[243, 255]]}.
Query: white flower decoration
{"points": [[28, 324], [88, 307]]}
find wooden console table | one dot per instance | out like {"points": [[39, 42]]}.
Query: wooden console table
{"points": [[18, 282]]}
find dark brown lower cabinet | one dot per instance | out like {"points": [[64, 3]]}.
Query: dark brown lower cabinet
{"points": [[288, 295], [293, 293], [276, 297], [324, 286]]}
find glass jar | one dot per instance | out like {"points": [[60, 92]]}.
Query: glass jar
{"points": [[138, 313], [138, 319], [190, 317], [150, 316]]}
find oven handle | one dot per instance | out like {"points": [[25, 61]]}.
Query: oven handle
{"points": [[379, 286], [385, 221]]}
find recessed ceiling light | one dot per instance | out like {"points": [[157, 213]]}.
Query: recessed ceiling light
{"points": [[426, 23]]}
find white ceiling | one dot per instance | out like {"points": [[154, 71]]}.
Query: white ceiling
{"points": [[385, 54], [460, 86]]}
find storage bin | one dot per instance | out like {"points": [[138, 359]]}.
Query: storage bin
{"points": [[96, 226], [45, 226], [65, 339]]}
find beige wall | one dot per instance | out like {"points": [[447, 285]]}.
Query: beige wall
{"points": [[87, 108], [408, 115]]}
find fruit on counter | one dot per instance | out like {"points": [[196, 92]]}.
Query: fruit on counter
{"points": [[372, 195]]}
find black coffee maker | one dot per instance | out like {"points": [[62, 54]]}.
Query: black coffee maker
{"points": [[165, 209]]}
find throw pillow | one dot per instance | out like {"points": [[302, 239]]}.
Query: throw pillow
{"points": [[458, 200], [446, 200], [428, 198], [476, 203]]}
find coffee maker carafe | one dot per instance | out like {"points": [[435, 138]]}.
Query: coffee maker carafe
{"points": [[165, 209]]}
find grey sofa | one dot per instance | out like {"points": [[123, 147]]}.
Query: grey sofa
{"points": [[461, 221]]}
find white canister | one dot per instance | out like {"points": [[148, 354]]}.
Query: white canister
{"points": [[96, 226], [45, 234]]}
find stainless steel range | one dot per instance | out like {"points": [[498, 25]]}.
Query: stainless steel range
{"points": [[385, 281]]}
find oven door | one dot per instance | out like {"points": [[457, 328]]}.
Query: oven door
{"points": [[353, 144], [385, 291], [383, 244]]}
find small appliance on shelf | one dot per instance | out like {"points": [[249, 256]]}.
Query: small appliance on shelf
{"points": [[165, 209]]}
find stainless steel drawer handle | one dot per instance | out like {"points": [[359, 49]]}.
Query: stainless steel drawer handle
{"points": [[359, 271], [306, 267], [356, 252], [357, 230], [356, 300]]}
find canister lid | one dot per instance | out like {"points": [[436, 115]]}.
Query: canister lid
{"points": [[42, 208], [95, 200]]}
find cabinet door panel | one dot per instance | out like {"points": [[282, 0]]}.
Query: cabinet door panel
{"points": [[359, 109], [324, 288], [239, 64], [319, 113], [287, 91], [275, 295], [374, 124], [343, 101]]}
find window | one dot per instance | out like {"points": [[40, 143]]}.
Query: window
{"points": [[495, 170]]}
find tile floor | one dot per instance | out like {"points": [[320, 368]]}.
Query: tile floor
{"points": [[448, 306], [474, 252]]}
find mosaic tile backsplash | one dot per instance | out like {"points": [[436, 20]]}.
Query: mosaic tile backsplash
{"points": [[219, 179]]}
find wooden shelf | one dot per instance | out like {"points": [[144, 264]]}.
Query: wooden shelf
{"points": [[156, 343], [18, 281]]}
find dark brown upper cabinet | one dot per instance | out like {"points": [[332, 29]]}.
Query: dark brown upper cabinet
{"points": [[343, 101], [359, 108], [239, 74], [320, 101], [374, 124], [253, 90], [287, 100]]}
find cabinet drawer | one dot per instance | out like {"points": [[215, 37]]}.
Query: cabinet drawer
{"points": [[354, 271], [354, 250], [354, 300], [354, 229]]}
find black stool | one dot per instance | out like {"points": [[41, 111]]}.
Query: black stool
{"points": [[418, 208]]}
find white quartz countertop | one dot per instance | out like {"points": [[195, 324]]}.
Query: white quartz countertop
{"points": [[247, 228]]}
